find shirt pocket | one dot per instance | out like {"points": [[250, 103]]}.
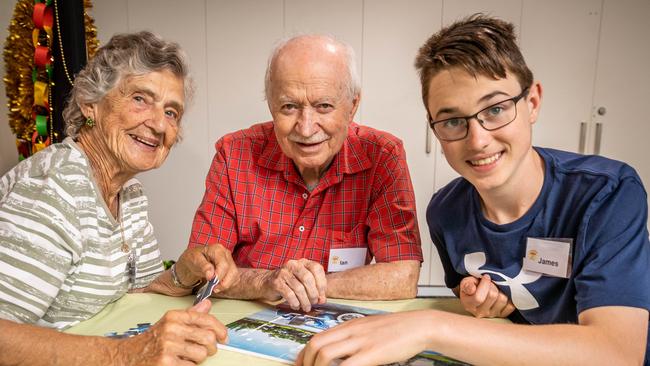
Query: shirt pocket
{"points": [[356, 238]]}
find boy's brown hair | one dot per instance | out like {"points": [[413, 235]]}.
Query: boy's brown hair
{"points": [[480, 45]]}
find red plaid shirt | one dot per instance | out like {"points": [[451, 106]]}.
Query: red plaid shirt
{"points": [[257, 205]]}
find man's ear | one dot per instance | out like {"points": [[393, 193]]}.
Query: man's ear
{"points": [[355, 105], [534, 101]]}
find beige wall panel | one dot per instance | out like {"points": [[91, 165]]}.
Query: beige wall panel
{"points": [[393, 32], [562, 55], [110, 17], [176, 188], [240, 35], [340, 18], [622, 84]]}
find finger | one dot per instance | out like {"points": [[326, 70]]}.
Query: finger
{"points": [[482, 290], [202, 337], [299, 289], [500, 303], [228, 272], [508, 309], [468, 285], [202, 307], [487, 308], [300, 357], [308, 281], [230, 278], [321, 340], [280, 286], [176, 339], [205, 321], [320, 278], [338, 350], [190, 351]]}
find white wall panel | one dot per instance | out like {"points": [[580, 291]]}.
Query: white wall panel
{"points": [[176, 188], [240, 35], [562, 55], [623, 84], [340, 18], [392, 34], [110, 17], [508, 10]]}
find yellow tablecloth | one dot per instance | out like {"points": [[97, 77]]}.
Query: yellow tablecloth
{"points": [[148, 308]]}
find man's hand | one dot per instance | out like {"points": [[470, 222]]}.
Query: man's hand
{"points": [[483, 299], [301, 283], [204, 262], [373, 340], [180, 337]]}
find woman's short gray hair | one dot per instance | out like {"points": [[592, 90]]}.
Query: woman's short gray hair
{"points": [[128, 54], [354, 82]]}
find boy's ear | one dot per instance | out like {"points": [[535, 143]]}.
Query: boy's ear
{"points": [[534, 101]]}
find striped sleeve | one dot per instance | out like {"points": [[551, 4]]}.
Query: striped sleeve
{"points": [[39, 239]]}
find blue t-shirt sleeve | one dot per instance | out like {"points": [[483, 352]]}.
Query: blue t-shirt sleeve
{"points": [[616, 250]]}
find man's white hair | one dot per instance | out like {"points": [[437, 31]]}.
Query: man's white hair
{"points": [[353, 81]]}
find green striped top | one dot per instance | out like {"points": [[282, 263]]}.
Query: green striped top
{"points": [[61, 257]]}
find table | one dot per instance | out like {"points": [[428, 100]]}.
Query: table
{"points": [[148, 308]]}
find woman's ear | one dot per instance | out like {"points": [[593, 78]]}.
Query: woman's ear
{"points": [[534, 100], [88, 111]]}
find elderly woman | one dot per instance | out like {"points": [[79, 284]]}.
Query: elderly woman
{"points": [[74, 228]]}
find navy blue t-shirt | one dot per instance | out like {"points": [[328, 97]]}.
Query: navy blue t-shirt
{"points": [[597, 202]]}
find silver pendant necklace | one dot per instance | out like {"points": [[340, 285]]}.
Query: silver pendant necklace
{"points": [[126, 248]]}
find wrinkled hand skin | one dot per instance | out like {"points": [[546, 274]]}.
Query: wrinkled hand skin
{"points": [[483, 299], [180, 337], [202, 263], [302, 283]]}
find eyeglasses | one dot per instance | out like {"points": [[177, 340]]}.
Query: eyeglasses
{"points": [[491, 118]]}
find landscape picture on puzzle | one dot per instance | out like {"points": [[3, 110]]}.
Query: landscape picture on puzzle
{"points": [[280, 333]]}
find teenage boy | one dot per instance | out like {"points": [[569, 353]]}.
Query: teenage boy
{"points": [[555, 241]]}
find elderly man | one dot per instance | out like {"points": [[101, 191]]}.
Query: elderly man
{"points": [[307, 200]]}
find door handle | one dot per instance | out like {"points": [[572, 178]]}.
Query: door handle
{"points": [[583, 135], [599, 135]]}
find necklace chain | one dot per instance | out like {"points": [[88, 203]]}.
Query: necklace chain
{"points": [[126, 248]]}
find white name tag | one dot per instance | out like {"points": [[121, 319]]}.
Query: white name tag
{"points": [[549, 256], [346, 258]]}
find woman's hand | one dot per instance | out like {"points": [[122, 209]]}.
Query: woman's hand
{"points": [[203, 263], [180, 337]]}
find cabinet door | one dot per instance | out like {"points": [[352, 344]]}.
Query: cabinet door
{"points": [[559, 40], [393, 31], [623, 84]]}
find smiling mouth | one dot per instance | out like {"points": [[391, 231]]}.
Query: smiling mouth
{"points": [[145, 141], [308, 144], [486, 161]]}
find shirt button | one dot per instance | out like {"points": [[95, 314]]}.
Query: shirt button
{"points": [[305, 195], [301, 228]]}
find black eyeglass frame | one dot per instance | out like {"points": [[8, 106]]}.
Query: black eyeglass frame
{"points": [[515, 99]]}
